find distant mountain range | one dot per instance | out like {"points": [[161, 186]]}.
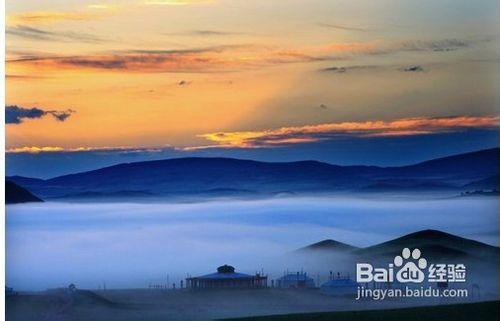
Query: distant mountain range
{"points": [[329, 245], [236, 177], [435, 245], [15, 194]]}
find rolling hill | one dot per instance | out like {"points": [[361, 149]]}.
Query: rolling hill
{"points": [[15, 194], [435, 244], [491, 183], [227, 176], [328, 245]]}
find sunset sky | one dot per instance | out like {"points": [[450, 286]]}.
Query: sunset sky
{"points": [[94, 82]]}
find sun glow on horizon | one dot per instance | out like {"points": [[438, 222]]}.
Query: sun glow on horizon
{"points": [[201, 73]]}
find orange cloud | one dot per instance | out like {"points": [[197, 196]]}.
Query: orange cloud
{"points": [[48, 17], [136, 62], [223, 58], [34, 149], [312, 133], [176, 2], [300, 134], [54, 149]]}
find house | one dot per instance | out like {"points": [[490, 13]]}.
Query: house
{"points": [[298, 280], [226, 278], [339, 286]]}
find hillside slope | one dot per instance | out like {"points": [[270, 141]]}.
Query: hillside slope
{"points": [[219, 176], [15, 194]]}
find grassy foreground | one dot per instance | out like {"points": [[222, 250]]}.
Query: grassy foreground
{"points": [[483, 311]]}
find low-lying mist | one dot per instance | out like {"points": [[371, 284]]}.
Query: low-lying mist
{"points": [[130, 245]]}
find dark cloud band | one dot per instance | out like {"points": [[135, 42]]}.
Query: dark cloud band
{"points": [[16, 115], [47, 35], [226, 58]]}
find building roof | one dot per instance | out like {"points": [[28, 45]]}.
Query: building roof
{"points": [[225, 272], [224, 276], [225, 269]]}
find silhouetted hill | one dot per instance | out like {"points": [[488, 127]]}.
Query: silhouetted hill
{"points": [[466, 166], [489, 183], [328, 245], [227, 176], [408, 185], [117, 194], [15, 194], [435, 244], [25, 181]]}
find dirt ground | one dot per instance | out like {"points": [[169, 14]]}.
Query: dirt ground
{"points": [[180, 305]]}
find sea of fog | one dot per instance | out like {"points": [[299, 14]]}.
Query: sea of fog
{"points": [[133, 245]]}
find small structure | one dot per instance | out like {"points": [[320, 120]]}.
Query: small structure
{"points": [[227, 278], [475, 291], [339, 286], [10, 291], [298, 280], [71, 288]]}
